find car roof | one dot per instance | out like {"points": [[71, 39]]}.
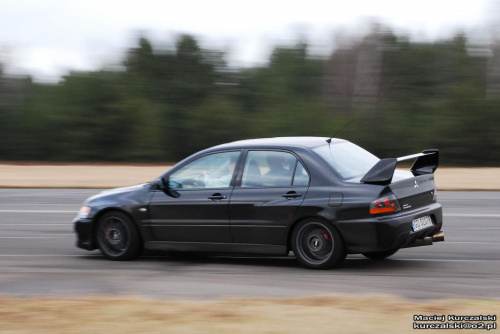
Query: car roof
{"points": [[276, 142]]}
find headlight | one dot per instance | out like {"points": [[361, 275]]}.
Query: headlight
{"points": [[84, 212]]}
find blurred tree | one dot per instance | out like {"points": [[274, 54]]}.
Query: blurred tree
{"points": [[140, 60], [285, 97], [79, 119], [171, 102], [14, 90]]}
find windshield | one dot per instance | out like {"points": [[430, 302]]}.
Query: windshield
{"points": [[348, 159]]}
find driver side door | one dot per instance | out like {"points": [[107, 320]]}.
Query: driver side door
{"points": [[200, 214]]}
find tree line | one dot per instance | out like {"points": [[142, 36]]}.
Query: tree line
{"points": [[397, 96]]}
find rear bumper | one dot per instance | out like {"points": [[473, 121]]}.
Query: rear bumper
{"points": [[389, 232], [83, 228]]}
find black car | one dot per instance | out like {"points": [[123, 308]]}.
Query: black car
{"points": [[321, 198]]}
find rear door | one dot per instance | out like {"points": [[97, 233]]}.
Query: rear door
{"points": [[272, 188]]}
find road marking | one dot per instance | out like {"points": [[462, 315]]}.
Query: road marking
{"points": [[471, 242], [45, 204], [450, 260], [39, 211], [492, 215], [473, 215], [430, 260], [471, 228], [58, 237], [50, 255], [464, 198], [487, 215], [34, 224]]}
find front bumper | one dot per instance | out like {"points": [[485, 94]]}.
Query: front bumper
{"points": [[84, 236], [394, 231]]}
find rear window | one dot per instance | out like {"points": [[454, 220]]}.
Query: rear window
{"points": [[348, 159]]}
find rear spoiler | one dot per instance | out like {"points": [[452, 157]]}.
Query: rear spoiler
{"points": [[382, 172]]}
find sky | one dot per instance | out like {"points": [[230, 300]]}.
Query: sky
{"points": [[48, 38]]}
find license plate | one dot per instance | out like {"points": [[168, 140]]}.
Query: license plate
{"points": [[421, 223]]}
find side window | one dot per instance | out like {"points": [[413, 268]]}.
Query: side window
{"points": [[211, 171], [300, 178], [268, 169]]}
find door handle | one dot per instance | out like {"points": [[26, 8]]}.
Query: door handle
{"points": [[291, 194], [217, 197]]}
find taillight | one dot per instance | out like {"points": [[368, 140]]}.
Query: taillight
{"points": [[384, 204]]}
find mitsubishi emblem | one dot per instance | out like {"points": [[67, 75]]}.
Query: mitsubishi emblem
{"points": [[416, 185]]}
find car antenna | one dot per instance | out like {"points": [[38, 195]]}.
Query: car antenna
{"points": [[329, 140]]}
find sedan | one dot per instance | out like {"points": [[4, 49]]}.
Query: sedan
{"points": [[322, 198]]}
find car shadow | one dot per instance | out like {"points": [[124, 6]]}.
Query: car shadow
{"points": [[200, 259], [350, 263]]}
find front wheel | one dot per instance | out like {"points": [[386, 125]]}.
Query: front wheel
{"points": [[380, 255], [118, 237], [317, 245]]}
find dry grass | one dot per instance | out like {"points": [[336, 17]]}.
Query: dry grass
{"points": [[468, 178], [372, 314], [112, 176], [76, 176]]}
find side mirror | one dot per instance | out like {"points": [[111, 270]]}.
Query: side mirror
{"points": [[164, 185]]}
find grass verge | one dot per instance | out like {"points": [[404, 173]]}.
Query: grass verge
{"points": [[370, 314], [111, 176]]}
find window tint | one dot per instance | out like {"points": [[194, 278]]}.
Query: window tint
{"points": [[301, 178], [268, 169], [211, 171], [348, 159]]}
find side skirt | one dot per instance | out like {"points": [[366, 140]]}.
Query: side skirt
{"points": [[173, 246]]}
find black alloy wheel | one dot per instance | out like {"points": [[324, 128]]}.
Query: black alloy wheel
{"points": [[118, 237], [317, 245]]}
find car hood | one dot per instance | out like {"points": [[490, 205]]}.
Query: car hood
{"points": [[116, 191]]}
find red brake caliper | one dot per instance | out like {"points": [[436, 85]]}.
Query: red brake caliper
{"points": [[327, 236], [106, 233]]}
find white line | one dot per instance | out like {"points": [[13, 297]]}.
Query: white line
{"points": [[471, 228], [492, 215], [59, 237], [471, 242], [450, 260], [76, 211], [45, 204], [447, 260], [486, 215], [60, 224], [39, 211], [464, 198], [51, 255]]}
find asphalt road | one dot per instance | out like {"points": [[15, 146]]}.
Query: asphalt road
{"points": [[38, 257]]}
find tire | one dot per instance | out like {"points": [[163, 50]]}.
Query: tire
{"points": [[317, 245], [380, 255], [118, 237]]}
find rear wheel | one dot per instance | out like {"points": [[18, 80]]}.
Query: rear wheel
{"points": [[380, 255], [118, 237], [317, 245]]}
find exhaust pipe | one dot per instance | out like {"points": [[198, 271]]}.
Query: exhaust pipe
{"points": [[427, 240], [438, 237]]}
